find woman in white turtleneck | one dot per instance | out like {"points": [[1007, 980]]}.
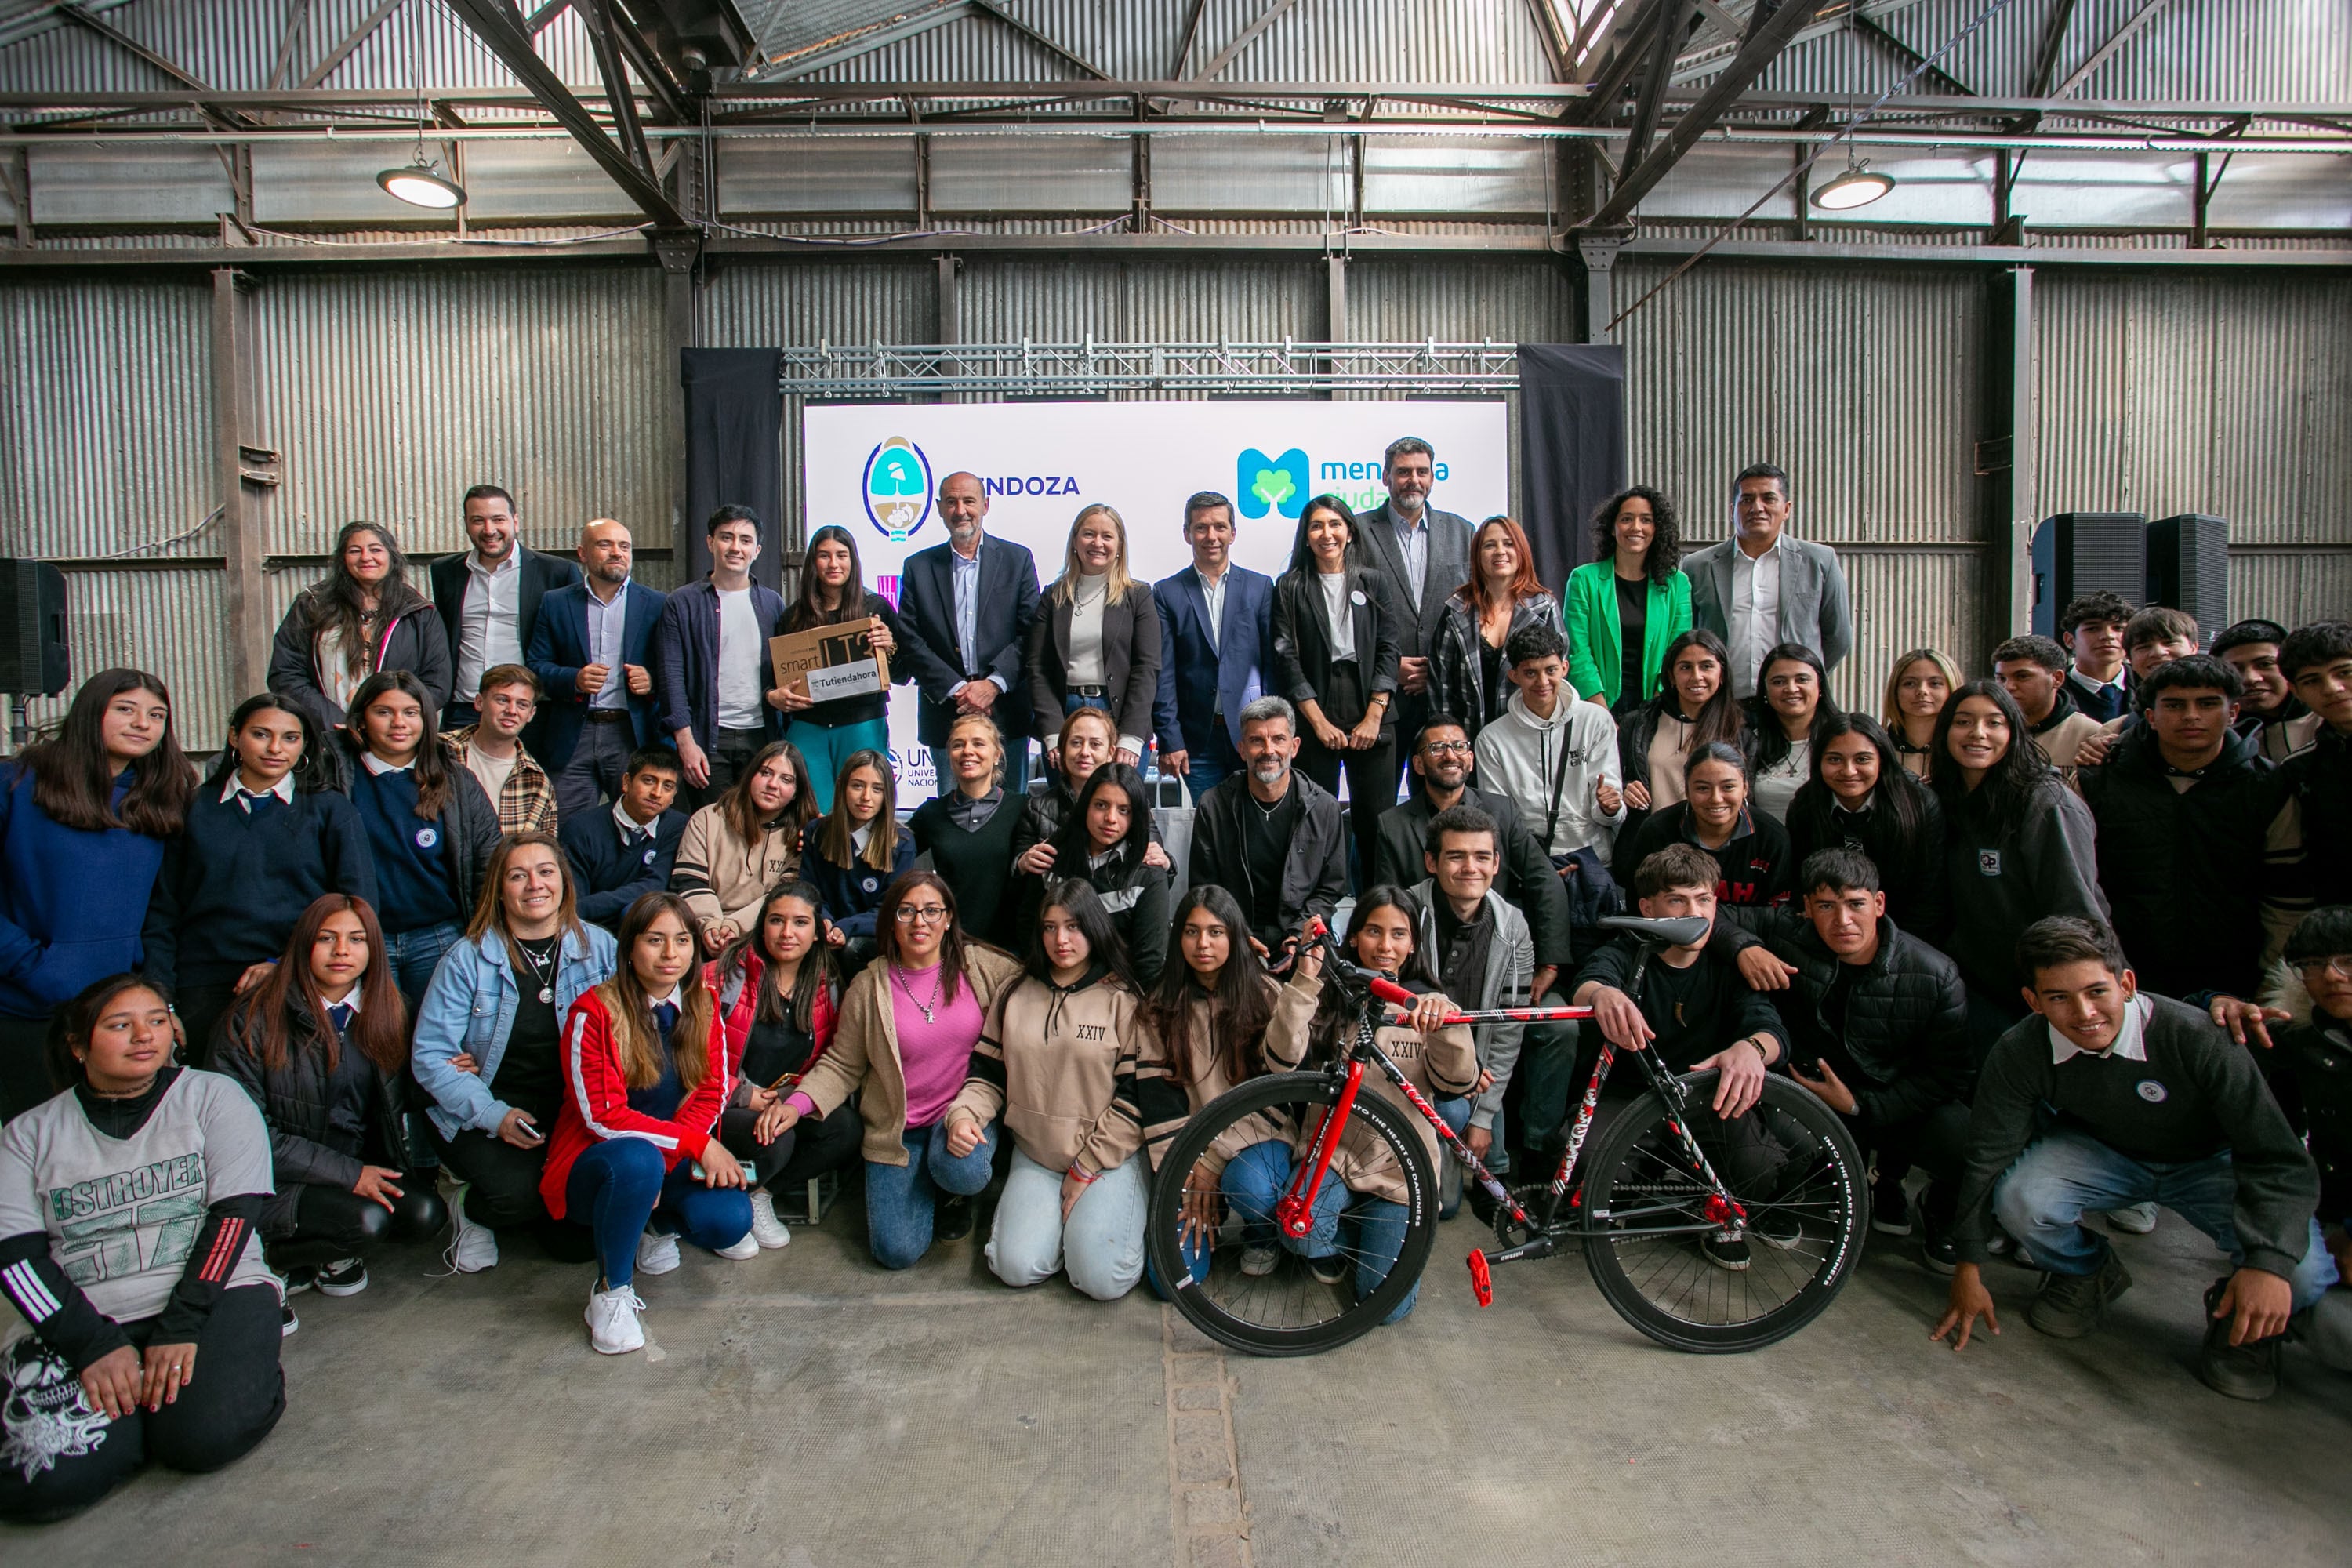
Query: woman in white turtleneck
{"points": [[1095, 643]]}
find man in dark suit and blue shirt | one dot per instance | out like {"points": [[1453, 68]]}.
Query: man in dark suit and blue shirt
{"points": [[490, 597], [1216, 621], [591, 652], [966, 607], [716, 684], [1425, 554]]}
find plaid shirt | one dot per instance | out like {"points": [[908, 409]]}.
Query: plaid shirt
{"points": [[527, 803]]}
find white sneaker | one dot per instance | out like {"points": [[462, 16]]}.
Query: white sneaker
{"points": [[744, 1246], [473, 1247], [656, 1253], [2138, 1219], [766, 1229], [612, 1326], [1257, 1262]]}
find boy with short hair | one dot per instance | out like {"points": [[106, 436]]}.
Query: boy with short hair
{"points": [[2270, 714], [619, 855], [1555, 755], [491, 749], [1476, 948], [2092, 628], [2318, 659], [2033, 671], [2146, 1099]]}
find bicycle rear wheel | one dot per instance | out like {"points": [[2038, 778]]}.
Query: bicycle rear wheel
{"points": [[1649, 1212], [1287, 1311]]}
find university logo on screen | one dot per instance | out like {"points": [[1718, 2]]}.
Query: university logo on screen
{"points": [[1284, 485]]}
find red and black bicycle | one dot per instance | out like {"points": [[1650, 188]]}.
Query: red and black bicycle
{"points": [[1648, 1204]]}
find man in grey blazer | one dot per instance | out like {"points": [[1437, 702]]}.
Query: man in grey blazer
{"points": [[1425, 555], [1797, 584]]}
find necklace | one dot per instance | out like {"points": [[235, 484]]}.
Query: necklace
{"points": [[542, 970], [929, 1008]]}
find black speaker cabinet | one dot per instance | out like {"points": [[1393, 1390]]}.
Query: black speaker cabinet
{"points": [[2189, 568], [2079, 552], [32, 632]]}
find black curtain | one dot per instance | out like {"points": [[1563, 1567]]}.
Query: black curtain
{"points": [[1571, 447], [734, 455]]}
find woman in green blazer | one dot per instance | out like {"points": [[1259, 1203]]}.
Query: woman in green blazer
{"points": [[1632, 584]]}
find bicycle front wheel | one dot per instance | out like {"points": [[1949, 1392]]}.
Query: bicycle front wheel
{"points": [[1678, 1268], [1258, 1291]]}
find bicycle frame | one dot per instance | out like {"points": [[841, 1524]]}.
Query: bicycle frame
{"points": [[1294, 1212]]}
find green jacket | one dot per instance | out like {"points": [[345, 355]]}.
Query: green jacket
{"points": [[1595, 651]]}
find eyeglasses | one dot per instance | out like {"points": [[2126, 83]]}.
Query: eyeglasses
{"points": [[2340, 964], [1440, 748], [930, 914]]}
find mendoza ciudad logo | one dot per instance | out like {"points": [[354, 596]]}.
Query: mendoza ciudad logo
{"points": [[898, 487], [1284, 485]]}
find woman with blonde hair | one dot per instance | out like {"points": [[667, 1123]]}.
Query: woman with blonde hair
{"points": [[1095, 641], [636, 1157], [968, 832], [1921, 682]]}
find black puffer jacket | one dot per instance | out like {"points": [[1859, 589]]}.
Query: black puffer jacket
{"points": [[2314, 1050], [306, 1145], [2321, 782], [1907, 1016], [2183, 869], [1045, 808]]}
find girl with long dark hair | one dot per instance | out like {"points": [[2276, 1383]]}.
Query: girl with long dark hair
{"points": [[430, 828], [84, 819], [1467, 671], [744, 843], [1210, 1010], [1793, 694], [1310, 1023], [779, 1000], [323, 1048], [1716, 813], [174, 1342], [636, 1158], [1337, 631], [1064, 1061], [1861, 798], [268, 833], [1104, 843], [832, 594], [855, 852], [1694, 708], [363, 618], [1627, 605], [2019, 846]]}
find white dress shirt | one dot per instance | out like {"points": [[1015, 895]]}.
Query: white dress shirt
{"points": [[489, 623], [283, 789], [1754, 613], [2131, 1040], [1214, 593], [1412, 541]]}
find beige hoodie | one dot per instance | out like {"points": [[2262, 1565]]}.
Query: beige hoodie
{"points": [[1442, 1067]]}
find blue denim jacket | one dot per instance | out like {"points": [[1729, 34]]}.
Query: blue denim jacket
{"points": [[470, 1008]]}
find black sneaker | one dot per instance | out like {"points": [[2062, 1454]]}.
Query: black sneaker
{"points": [[1777, 1229], [2248, 1371], [301, 1277], [287, 1321], [1331, 1269], [2072, 1305], [1939, 1252], [1890, 1209], [1725, 1251], [952, 1220], [348, 1278]]}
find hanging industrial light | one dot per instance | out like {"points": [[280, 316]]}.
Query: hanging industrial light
{"points": [[421, 183], [1857, 187]]}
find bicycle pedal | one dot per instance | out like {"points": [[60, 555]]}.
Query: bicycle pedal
{"points": [[1482, 1279]]}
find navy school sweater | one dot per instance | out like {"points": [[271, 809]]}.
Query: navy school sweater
{"points": [[71, 903], [234, 884], [613, 876], [409, 851]]}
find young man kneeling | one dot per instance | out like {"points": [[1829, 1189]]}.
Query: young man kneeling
{"points": [[2154, 1103]]}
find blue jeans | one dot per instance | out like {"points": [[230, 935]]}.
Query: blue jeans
{"points": [[1016, 770], [1455, 1114], [826, 747], [1253, 1183], [413, 955], [1209, 765], [2066, 1175], [899, 1199], [618, 1187], [1100, 1245]]}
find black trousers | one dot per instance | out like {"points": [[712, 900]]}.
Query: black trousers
{"points": [[802, 1154], [65, 1456], [331, 1224], [730, 752], [1936, 1142], [24, 1066], [1372, 774], [502, 1191], [200, 1008]]}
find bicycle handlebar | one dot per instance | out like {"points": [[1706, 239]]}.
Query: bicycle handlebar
{"points": [[1383, 989]]}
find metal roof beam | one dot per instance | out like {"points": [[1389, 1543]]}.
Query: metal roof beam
{"points": [[2105, 52], [358, 36], [1910, 57], [169, 68], [1243, 39], [996, 13]]}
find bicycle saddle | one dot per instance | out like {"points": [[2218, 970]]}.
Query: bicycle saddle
{"points": [[1674, 931]]}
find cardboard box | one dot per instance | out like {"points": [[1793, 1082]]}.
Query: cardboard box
{"points": [[830, 662]]}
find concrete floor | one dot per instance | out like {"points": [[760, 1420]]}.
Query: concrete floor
{"points": [[809, 1411]]}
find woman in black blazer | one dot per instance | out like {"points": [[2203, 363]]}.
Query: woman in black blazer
{"points": [[1096, 640], [1335, 636]]}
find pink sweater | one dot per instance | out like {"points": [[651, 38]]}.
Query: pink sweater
{"points": [[936, 1056]]}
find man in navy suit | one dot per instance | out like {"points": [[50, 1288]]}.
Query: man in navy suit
{"points": [[966, 607], [1216, 630], [489, 597], [714, 683], [590, 650]]}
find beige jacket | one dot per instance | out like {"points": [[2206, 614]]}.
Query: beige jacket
{"points": [[723, 879], [1445, 1066], [2061, 743], [1158, 1132], [1061, 1068], [864, 1060]]}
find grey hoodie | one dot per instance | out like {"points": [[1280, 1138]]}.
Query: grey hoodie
{"points": [[1510, 969]]}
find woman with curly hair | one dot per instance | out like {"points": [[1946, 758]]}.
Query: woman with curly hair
{"points": [[1629, 603]]}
